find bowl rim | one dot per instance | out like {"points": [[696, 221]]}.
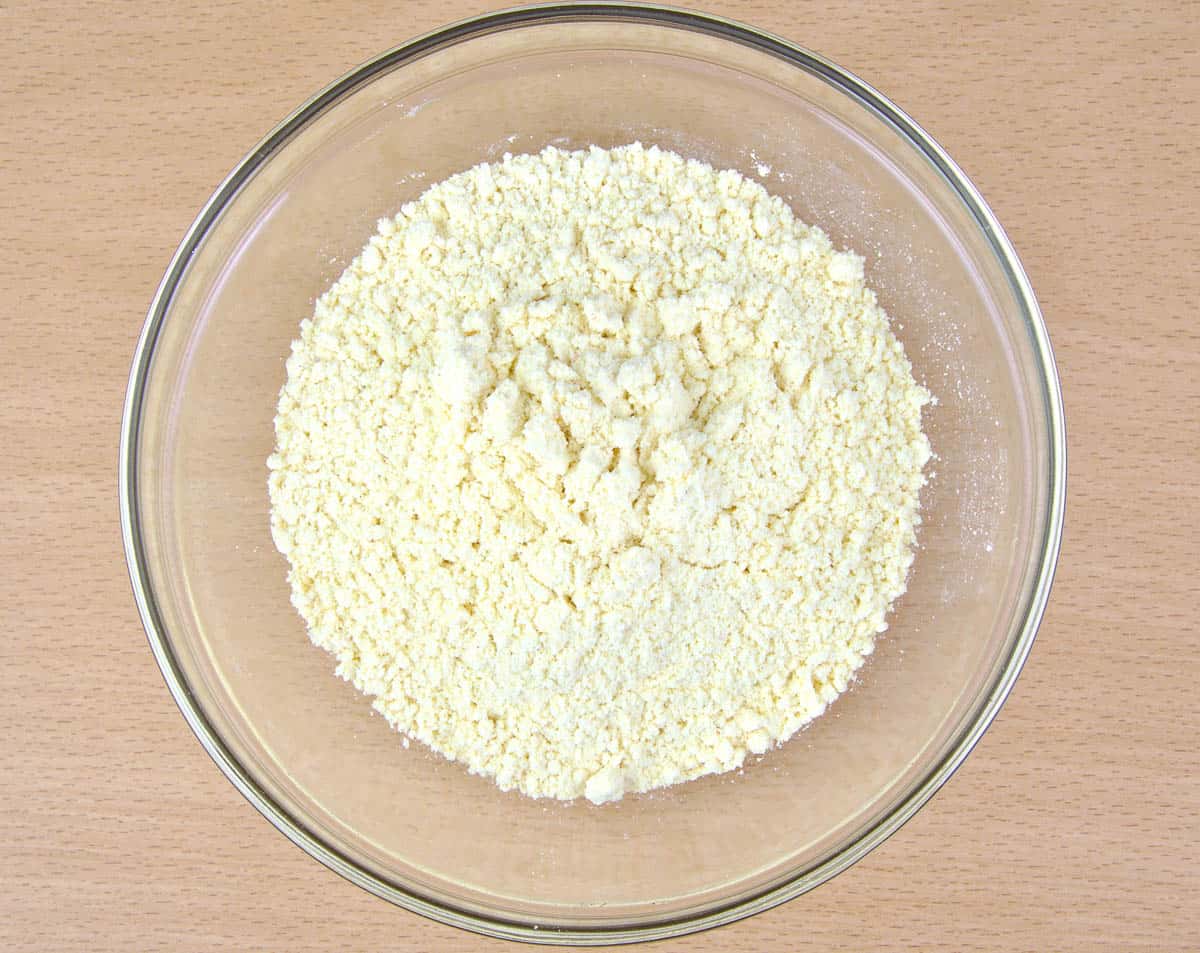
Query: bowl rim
{"points": [[540, 14]]}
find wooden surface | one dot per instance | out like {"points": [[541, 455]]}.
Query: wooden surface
{"points": [[1072, 827]]}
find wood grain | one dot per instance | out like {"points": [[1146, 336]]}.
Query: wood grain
{"points": [[1072, 827]]}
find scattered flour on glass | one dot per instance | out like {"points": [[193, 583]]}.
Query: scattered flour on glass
{"points": [[598, 470]]}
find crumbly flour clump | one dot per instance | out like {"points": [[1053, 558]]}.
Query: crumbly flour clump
{"points": [[598, 470]]}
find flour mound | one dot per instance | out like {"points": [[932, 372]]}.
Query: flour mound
{"points": [[598, 470]]}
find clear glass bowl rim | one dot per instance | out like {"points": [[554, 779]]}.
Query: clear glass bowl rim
{"points": [[938, 774]]}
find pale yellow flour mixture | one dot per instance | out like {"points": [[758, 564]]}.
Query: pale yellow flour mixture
{"points": [[598, 470]]}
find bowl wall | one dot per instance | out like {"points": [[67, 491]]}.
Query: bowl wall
{"points": [[407, 823]]}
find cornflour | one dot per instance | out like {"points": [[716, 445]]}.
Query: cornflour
{"points": [[598, 470]]}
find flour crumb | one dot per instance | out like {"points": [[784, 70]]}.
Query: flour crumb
{"points": [[598, 471]]}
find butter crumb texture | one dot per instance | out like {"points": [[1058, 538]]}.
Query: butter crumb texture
{"points": [[598, 470]]}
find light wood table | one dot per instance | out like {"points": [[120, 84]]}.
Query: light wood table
{"points": [[1074, 824]]}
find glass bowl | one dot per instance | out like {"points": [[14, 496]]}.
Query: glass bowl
{"points": [[306, 749]]}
